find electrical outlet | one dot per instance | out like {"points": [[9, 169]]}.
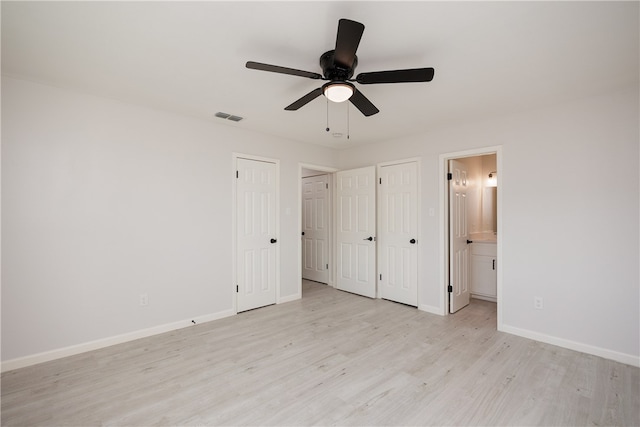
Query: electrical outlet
{"points": [[144, 300], [538, 303]]}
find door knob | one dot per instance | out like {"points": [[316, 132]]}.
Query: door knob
{"points": [[469, 241], [412, 241], [303, 233], [368, 238], [274, 240]]}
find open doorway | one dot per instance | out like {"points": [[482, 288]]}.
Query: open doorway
{"points": [[315, 233], [316, 224], [470, 230], [345, 253]]}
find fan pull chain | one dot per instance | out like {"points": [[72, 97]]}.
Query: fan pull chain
{"points": [[348, 127], [327, 114]]}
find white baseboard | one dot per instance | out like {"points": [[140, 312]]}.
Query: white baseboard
{"points": [[47, 356], [431, 309], [484, 298], [289, 298], [627, 359]]}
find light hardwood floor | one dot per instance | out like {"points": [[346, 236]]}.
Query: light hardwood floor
{"points": [[331, 358]]}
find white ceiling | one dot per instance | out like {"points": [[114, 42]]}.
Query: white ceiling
{"points": [[490, 58]]}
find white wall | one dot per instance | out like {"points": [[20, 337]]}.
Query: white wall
{"points": [[570, 232], [103, 201]]}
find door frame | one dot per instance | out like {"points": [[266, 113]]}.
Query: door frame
{"points": [[331, 197], [379, 166], [234, 212], [327, 222], [444, 224]]}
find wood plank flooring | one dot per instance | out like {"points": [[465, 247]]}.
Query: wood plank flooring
{"points": [[331, 358]]}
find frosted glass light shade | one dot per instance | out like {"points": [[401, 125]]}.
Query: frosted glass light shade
{"points": [[493, 180], [338, 92]]}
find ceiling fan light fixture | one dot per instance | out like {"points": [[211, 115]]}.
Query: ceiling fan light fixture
{"points": [[338, 66], [338, 91]]}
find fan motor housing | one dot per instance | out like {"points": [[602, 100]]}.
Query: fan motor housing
{"points": [[332, 71]]}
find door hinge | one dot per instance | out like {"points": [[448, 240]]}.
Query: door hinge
{"points": [[381, 277], [237, 174], [327, 186], [450, 288], [327, 266], [380, 180], [449, 176], [237, 288]]}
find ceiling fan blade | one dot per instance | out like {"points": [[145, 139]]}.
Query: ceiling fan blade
{"points": [[347, 41], [304, 100], [363, 104], [282, 70], [396, 76]]}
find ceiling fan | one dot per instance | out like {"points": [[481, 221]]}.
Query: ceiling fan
{"points": [[338, 67]]}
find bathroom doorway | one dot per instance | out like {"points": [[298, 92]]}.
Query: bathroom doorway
{"points": [[470, 231], [316, 224]]}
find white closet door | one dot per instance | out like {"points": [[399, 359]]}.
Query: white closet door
{"points": [[356, 231], [458, 236], [256, 234], [315, 230], [398, 233]]}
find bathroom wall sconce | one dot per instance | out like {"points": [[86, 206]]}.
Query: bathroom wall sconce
{"points": [[493, 179]]}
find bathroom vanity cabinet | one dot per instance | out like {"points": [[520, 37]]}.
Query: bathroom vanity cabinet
{"points": [[483, 270]]}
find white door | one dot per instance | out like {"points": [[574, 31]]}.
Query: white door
{"points": [[315, 230], [256, 234], [458, 235], [398, 233], [356, 226]]}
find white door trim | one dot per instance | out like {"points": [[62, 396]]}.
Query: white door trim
{"points": [[316, 230], [379, 167], [331, 171], [234, 239], [444, 215]]}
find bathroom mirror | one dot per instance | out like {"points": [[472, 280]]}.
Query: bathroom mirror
{"points": [[489, 209]]}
